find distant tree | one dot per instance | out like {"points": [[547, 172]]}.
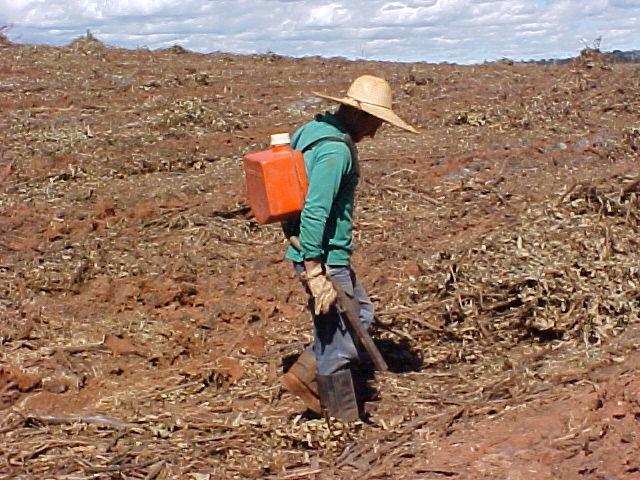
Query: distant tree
{"points": [[593, 45], [591, 56], [597, 42], [3, 33]]}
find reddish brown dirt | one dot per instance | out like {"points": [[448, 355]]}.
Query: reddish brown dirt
{"points": [[146, 317], [590, 431]]}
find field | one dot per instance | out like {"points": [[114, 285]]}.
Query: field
{"points": [[145, 317]]}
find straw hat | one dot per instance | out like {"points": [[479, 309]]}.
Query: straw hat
{"points": [[372, 95]]}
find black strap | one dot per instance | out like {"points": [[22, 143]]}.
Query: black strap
{"points": [[330, 138]]}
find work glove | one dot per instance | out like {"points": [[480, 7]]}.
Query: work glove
{"points": [[324, 295]]}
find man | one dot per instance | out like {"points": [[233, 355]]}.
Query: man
{"points": [[321, 376]]}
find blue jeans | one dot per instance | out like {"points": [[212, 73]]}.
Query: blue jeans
{"points": [[334, 344]]}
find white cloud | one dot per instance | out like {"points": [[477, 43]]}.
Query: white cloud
{"points": [[330, 15], [432, 30]]}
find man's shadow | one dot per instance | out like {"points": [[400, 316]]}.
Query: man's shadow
{"points": [[400, 358]]}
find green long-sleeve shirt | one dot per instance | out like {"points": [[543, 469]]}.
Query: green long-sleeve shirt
{"points": [[326, 221]]}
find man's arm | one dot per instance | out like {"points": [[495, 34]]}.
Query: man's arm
{"points": [[331, 163]]}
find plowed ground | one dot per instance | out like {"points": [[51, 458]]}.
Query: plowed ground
{"points": [[145, 317]]}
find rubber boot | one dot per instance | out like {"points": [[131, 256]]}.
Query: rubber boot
{"points": [[337, 396], [300, 380]]}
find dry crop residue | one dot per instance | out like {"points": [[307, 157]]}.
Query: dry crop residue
{"points": [[146, 317]]}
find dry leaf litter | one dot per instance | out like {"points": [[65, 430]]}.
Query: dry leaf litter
{"points": [[146, 316]]}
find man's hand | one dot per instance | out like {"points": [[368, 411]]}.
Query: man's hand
{"points": [[324, 295]]}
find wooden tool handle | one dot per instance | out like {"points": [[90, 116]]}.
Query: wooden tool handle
{"points": [[346, 306]]}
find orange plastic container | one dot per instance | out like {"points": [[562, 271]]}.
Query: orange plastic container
{"points": [[276, 181]]}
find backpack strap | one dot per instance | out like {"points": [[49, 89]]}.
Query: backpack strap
{"points": [[330, 138], [334, 138]]}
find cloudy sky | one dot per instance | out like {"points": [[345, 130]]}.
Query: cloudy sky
{"points": [[462, 31]]}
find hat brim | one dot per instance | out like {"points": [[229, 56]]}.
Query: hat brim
{"points": [[382, 113]]}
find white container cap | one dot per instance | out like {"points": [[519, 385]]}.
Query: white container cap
{"points": [[280, 139]]}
